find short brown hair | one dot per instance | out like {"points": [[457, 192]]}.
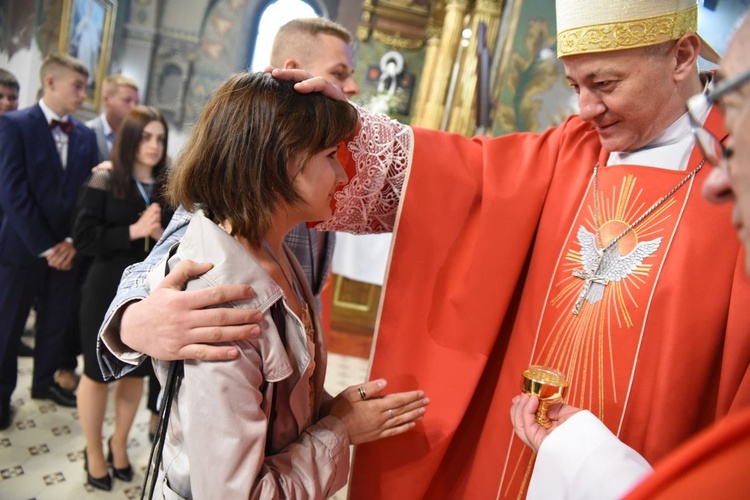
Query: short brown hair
{"points": [[55, 61], [235, 164], [112, 82], [296, 39]]}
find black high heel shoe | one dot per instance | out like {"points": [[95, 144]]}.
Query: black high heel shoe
{"points": [[103, 483], [124, 474]]}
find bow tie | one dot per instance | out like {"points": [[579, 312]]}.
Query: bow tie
{"points": [[66, 127]]}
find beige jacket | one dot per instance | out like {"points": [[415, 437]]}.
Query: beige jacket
{"points": [[216, 441]]}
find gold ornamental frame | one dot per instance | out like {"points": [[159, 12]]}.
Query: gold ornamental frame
{"points": [[86, 32]]}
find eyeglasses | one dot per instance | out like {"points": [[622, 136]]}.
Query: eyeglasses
{"points": [[726, 86], [714, 151]]}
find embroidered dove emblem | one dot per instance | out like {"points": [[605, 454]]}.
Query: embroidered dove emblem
{"points": [[610, 266]]}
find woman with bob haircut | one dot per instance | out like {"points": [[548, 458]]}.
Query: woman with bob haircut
{"points": [[261, 159], [120, 214]]}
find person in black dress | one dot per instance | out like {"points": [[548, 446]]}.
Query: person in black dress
{"points": [[119, 218]]}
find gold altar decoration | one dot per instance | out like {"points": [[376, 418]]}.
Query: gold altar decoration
{"points": [[451, 58], [433, 105], [431, 57], [462, 112], [397, 23]]}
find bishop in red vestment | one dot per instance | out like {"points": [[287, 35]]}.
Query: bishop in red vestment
{"points": [[531, 249], [658, 353]]}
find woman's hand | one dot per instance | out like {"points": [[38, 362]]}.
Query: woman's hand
{"points": [[369, 417], [149, 224], [157, 230]]}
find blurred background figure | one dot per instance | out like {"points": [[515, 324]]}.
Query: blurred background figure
{"points": [[45, 156], [9, 102], [119, 95], [8, 91], [119, 217]]}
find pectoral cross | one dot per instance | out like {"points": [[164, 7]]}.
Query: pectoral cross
{"points": [[589, 278]]}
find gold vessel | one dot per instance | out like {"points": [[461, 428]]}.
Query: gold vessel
{"points": [[547, 384]]}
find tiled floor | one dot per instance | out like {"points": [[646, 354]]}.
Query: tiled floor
{"points": [[41, 453]]}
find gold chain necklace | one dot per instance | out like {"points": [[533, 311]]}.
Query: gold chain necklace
{"points": [[590, 277]]}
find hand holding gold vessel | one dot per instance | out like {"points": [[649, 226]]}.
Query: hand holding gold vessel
{"points": [[547, 384]]}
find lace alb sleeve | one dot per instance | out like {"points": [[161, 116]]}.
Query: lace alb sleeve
{"points": [[382, 153]]}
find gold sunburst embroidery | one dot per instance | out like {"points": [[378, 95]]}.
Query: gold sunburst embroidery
{"points": [[582, 344]]}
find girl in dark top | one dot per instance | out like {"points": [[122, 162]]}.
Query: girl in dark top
{"points": [[119, 217]]}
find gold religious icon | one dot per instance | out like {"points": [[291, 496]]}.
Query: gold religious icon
{"points": [[549, 385]]}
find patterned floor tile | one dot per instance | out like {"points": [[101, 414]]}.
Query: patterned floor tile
{"points": [[41, 454]]}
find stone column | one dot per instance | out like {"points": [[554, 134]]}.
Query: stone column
{"points": [[138, 44], [426, 79]]}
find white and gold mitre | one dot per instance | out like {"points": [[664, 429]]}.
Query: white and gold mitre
{"points": [[589, 26]]}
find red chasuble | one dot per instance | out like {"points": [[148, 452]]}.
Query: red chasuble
{"points": [[482, 284], [715, 464]]}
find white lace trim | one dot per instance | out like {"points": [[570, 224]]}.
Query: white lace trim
{"points": [[381, 152]]}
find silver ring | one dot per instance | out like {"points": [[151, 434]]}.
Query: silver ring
{"points": [[390, 413], [362, 393]]}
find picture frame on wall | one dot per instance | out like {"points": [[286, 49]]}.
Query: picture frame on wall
{"points": [[86, 34]]}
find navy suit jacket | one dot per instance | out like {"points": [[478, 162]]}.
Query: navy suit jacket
{"points": [[37, 195]]}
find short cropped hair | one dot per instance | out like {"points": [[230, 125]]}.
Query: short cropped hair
{"points": [[113, 82], [125, 149], [295, 40], [236, 164], [55, 61], [8, 80], [659, 49]]}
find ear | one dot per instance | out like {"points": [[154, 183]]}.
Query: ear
{"points": [[292, 64], [686, 56], [48, 80]]}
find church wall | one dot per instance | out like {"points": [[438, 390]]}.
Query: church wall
{"points": [[191, 60], [184, 16], [529, 87], [177, 51], [31, 30], [21, 36]]}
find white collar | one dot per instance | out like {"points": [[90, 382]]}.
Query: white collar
{"points": [[106, 127], [672, 148], [50, 115], [674, 133]]}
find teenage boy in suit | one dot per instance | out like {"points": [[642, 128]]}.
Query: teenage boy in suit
{"points": [[45, 156]]}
